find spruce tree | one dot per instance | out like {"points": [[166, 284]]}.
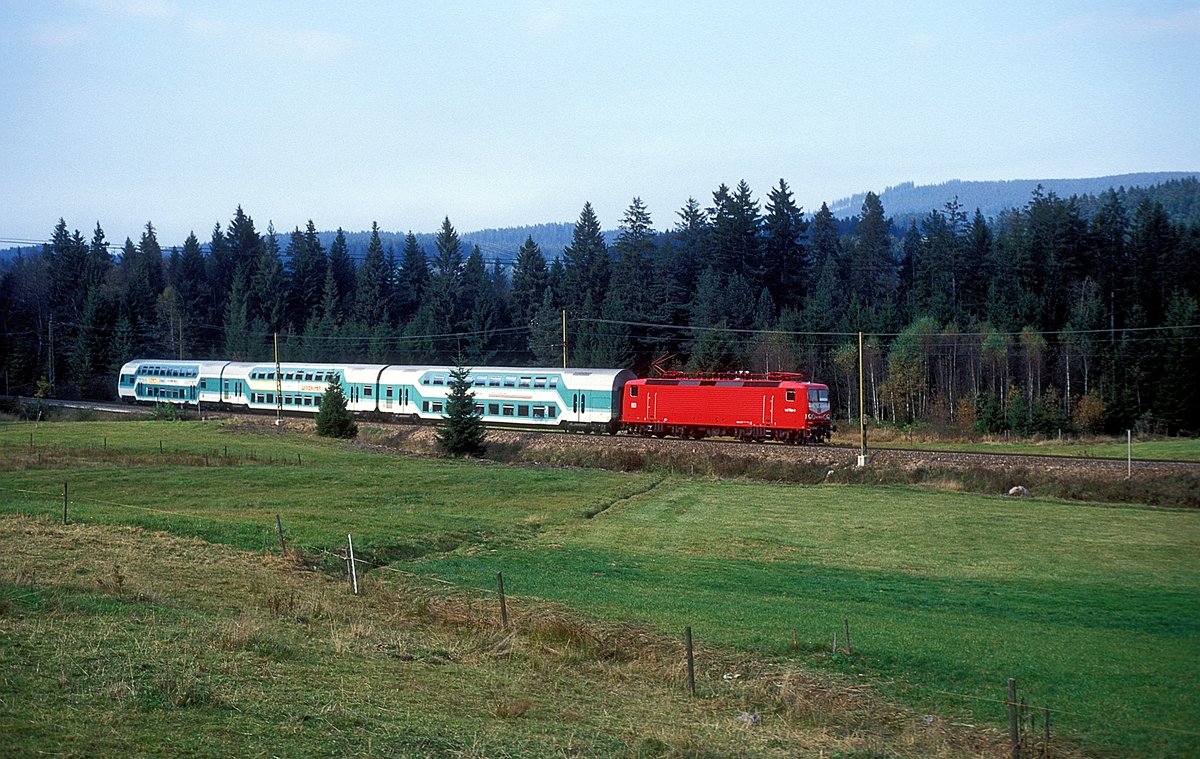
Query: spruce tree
{"points": [[462, 434], [333, 418]]}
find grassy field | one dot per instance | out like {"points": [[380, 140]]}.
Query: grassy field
{"points": [[1155, 449], [1095, 609], [115, 641]]}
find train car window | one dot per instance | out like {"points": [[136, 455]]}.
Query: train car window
{"points": [[438, 380], [554, 382], [367, 391], [552, 411], [479, 409], [437, 407], [575, 403], [317, 400], [270, 397], [424, 380], [308, 400], [508, 409], [522, 410], [510, 382], [789, 395], [480, 381], [425, 405], [493, 382], [633, 391], [203, 384], [539, 412], [526, 381], [582, 403], [539, 381], [494, 409], [389, 391]]}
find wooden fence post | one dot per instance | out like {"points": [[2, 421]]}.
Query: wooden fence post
{"points": [[64, 501], [279, 532], [503, 601], [353, 569], [691, 660], [1014, 730]]}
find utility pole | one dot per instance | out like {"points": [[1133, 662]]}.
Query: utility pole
{"points": [[278, 385], [862, 411], [50, 369], [564, 338]]}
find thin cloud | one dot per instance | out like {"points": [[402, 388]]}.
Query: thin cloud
{"points": [[1117, 27], [59, 36], [129, 8], [273, 42]]}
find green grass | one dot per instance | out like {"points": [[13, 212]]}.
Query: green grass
{"points": [[119, 642], [396, 507], [1094, 609], [1159, 449]]}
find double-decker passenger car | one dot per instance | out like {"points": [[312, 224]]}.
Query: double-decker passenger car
{"points": [[574, 399]]}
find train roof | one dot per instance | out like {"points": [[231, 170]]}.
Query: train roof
{"points": [[699, 382]]}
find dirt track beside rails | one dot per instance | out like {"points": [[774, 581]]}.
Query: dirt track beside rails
{"points": [[531, 444]]}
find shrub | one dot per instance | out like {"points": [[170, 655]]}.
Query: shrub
{"points": [[333, 418]]}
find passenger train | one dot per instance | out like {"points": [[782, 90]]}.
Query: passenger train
{"points": [[776, 406]]}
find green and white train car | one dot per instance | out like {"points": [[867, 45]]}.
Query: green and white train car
{"points": [[587, 400]]}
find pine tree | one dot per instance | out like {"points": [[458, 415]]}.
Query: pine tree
{"points": [[529, 281], [634, 249], [268, 286], [462, 433], [442, 293], [413, 279], [342, 268], [370, 303], [545, 332], [306, 266], [786, 263], [585, 266], [333, 417]]}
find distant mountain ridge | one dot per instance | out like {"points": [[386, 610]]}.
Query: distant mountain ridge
{"points": [[992, 197]]}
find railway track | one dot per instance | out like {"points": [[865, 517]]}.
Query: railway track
{"points": [[828, 455]]}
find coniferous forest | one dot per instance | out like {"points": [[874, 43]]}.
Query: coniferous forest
{"points": [[1067, 314]]}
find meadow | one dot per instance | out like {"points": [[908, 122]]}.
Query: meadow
{"points": [[1094, 609], [1141, 449]]}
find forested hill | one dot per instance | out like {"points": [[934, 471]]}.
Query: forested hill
{"points": [[495, 244], [907, 200]]}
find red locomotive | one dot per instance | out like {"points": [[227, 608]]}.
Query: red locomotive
{"points": [[774, 406]]}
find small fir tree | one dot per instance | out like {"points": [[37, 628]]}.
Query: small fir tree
{"points": [[463, 433], [333, 418]]}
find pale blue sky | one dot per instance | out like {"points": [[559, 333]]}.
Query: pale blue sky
{"points": [[510, 113]]}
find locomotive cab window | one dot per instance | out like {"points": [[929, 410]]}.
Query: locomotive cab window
{"points": [[790, 395], [633, 391]]}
